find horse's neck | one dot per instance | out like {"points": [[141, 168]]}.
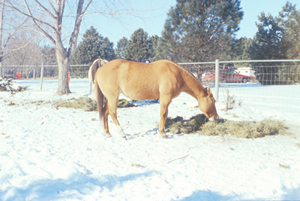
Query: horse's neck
{"points": [[193, 87]]}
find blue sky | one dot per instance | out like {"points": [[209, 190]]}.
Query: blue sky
{"points": [[151, 16]]}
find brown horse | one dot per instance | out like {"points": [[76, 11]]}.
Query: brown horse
{"points": [[163, 80]]}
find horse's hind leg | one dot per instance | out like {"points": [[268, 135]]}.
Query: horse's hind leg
{"points": [[105, 120], [112, 109]]}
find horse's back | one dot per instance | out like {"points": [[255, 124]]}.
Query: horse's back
{"points": [[137, 80]]}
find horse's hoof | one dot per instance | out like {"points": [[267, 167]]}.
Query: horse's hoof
{"points": [[108, 136], [165, 136]]}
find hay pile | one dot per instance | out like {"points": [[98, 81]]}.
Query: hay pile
{"points": [[179, 125], [124, 103], [11, 86], [87, 104], [244, 129], [200, 124]]}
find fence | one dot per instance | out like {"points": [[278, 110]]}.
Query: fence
{"points": [[34, 71], [241, 77]]}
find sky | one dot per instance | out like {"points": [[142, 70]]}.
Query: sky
{"points": [[151, 16]]}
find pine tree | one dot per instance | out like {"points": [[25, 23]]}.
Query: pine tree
{"points": [[200, 30], [268, 41], [120, 50], [154, 41], [242, 50], [290, 18], [92, 47], [139, 46]]}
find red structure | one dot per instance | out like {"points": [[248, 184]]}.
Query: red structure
{"points": [[18, 74]]}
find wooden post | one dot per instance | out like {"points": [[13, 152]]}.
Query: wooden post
{"points": [[42, 75], [91, 90], [217, 80]]}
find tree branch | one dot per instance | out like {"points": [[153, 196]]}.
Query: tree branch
{"points": [[39, 27], [177, 159], [45, 9], [35, 20], [74, 35]]}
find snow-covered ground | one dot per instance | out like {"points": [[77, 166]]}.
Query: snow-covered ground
{"points": [[61, 154]]}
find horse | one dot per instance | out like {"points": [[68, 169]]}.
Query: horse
{"points": [[163, 80]]}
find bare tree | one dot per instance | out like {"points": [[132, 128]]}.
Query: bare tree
{"points": [[52, 28], [30, 53], [52, 19], [10, 24]]}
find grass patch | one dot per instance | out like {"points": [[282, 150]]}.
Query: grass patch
{"points": [[87, 104], [200, 124]]}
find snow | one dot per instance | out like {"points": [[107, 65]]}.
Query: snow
{"points": [[62, 154]]}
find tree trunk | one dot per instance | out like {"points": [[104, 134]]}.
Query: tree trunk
{"points": [[63, 67], [1, 36]]}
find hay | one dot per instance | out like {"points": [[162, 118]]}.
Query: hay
{"points": [[84, 103], [87, 104], [124, 103], [241, 129], [178, 125]]}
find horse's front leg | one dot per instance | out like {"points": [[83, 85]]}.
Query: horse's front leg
{"points": [[164, 104]]}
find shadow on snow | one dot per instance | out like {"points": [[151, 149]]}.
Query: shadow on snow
{"points": [[77, 186]]}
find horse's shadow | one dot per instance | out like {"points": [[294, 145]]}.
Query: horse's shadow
{"points": [[144, 102], [151, 132]]}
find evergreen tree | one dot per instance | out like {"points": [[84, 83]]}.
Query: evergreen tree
{"points": [[139, 46], [92, 47], [268, 40], [290, 18], [154, 41], [120, 50], [200, 30], [242, 49], [268, 43]]}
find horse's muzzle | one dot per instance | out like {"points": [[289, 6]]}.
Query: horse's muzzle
{"points": [[214, 118]]}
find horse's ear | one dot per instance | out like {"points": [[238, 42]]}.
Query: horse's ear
{"points": [[208, 91]]}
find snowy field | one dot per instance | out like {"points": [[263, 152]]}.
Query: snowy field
{"points": [[61, 154]]}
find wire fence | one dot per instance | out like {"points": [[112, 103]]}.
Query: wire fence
{"points": [[241, 77], [24, 72]]}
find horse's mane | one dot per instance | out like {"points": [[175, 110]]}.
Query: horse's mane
{"points": [[183, 69]]}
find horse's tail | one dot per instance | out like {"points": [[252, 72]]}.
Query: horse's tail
{"points": [[98, 95], [101, 102], [92, 72]]}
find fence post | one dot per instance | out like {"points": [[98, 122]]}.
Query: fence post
{"points": [[33, 74], [1, 74], [42, 74], [217, 80], [91, 90]]}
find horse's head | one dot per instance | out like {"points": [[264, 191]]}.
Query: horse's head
{"points": [[207, 105]]}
